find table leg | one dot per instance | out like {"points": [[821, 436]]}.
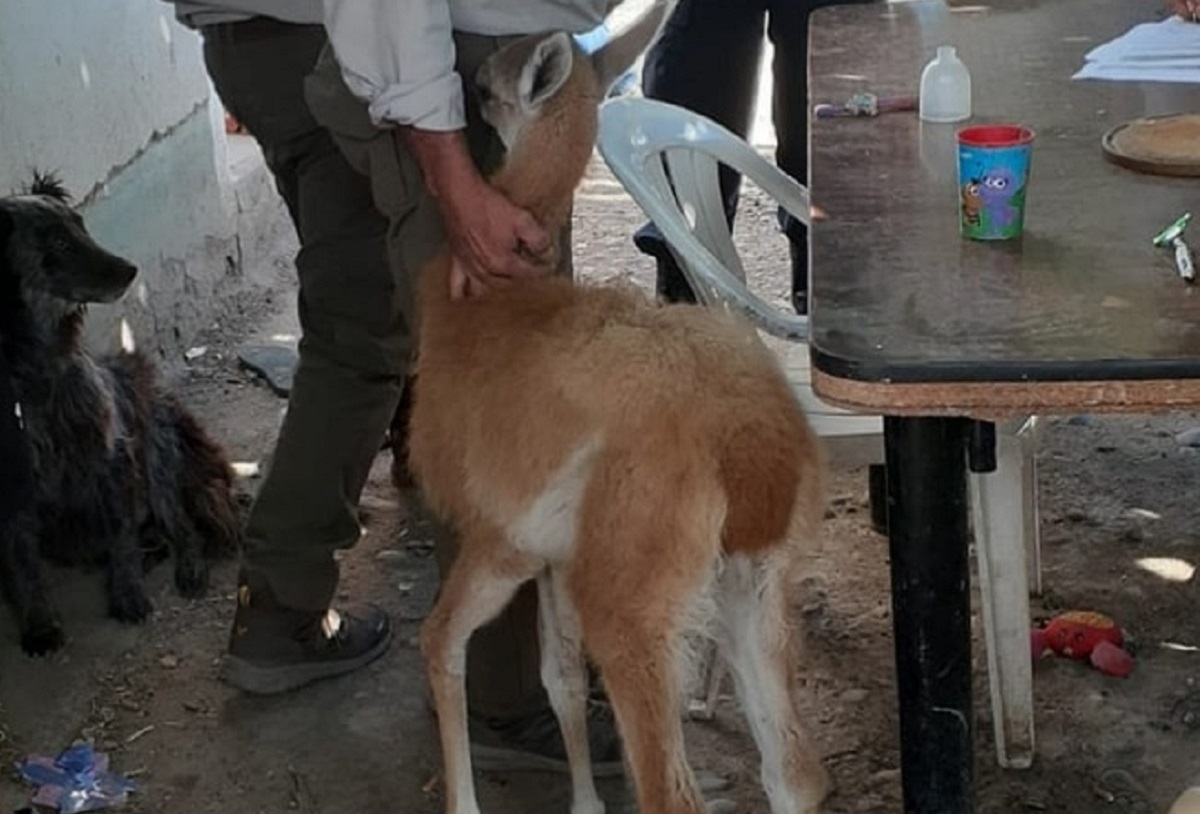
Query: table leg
{"points": [[931, 610]]}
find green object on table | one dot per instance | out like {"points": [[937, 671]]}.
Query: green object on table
{"points": [[1173, 231]]}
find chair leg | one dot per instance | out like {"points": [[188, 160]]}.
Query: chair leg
{"points": [[702, 706], [1028, 433], [1001, 551]]}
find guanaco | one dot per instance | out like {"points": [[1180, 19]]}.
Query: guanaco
{"points": [[647, 465]]}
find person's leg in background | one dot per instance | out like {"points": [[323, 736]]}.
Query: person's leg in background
{"points": [[353, 356], [706, 60], [787, 28], [513, 726]]}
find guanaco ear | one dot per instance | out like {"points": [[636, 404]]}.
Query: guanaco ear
{"points": [[619, 53], [546, 69]]}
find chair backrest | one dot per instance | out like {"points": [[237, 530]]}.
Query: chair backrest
{"points": [[667, 158]]}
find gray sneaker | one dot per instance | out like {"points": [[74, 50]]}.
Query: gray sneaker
{"points": [[532, 743]]}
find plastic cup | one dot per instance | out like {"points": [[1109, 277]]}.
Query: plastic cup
{"points": [[993, 172]]}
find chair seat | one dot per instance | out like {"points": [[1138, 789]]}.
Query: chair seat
{"points": [[826, 419]]}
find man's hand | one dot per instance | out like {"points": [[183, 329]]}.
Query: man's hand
{"points": [[492, 239], [1187, 9]]}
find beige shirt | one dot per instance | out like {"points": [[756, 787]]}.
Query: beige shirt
{"points": [[398, 55], [196, 13]]}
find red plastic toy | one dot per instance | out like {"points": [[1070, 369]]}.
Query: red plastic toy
{"points": [[1085, 636]]}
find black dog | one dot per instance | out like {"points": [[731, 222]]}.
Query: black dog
{"points": [[119, 466]]}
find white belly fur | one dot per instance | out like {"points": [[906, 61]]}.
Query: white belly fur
{"points": [[548, 527]]}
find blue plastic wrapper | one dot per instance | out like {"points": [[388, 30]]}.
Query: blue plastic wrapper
{"points": [[77, 780]]}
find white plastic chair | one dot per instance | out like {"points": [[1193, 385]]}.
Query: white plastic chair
{"points": [[667, 158], [639, 140]]}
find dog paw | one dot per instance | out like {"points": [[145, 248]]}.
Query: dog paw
{"points": [[42, 637], [130, 605], [191, 579]]}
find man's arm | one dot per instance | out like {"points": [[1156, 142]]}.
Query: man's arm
{"points": [[1187, 9], [399, 58], [490, 236]]}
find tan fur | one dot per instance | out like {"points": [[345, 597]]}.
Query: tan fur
{"points": [[692, 461]]}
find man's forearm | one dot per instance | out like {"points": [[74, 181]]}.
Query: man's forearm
{"points": [[445, 161]]}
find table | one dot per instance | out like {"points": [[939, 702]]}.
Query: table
{"points": [[943, 335]]}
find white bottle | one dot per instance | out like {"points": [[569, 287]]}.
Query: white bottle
{"points": [[945, 88]]}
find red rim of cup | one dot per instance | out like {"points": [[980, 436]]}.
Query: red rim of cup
{"points": [[995, 135]]}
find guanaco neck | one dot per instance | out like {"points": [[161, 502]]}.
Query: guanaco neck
{"points": [[543, 167], [551, 154]]}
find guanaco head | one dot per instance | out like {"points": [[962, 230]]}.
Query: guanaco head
{"points": [[524, 81], [541, 93]]}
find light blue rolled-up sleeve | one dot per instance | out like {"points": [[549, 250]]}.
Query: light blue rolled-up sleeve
{"points": [[398, 56]]}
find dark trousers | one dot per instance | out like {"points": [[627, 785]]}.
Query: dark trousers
{"points": [[707, 61], [355, 269]]}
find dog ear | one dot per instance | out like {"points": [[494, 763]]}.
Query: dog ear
{"points": [[48, 184]]}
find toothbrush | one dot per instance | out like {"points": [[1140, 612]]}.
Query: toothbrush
{"points": [[1173, 236]]}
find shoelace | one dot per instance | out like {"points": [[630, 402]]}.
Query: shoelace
{"points": [[330, 630], [331, 624]]}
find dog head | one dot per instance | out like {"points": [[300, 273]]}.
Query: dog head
{"points": [[48, 257]]}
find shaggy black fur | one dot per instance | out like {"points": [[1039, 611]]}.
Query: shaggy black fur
{"points": [[121, 469]]}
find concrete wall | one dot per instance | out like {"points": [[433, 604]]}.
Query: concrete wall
{"points": [[113, 96], [89, 86]]}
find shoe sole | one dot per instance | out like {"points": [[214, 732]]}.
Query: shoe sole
{"points": [[257, 680], [504, 759]]}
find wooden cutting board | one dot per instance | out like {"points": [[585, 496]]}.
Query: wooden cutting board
{"points": [[1159, 145]]}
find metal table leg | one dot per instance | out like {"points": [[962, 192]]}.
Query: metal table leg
{"points": [[931, 610]]}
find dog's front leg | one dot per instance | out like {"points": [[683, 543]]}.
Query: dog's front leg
{"points": [[191, 569], [21, 574], [481, 582], [127, 600]]}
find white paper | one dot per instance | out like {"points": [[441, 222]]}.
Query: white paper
{"points": [[1136, 73], [1166, 51]]}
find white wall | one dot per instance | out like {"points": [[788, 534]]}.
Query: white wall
{"points": [[85, 86], [113, 96]]}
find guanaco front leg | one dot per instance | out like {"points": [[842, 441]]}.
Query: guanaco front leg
{"points": [[477, 589]]}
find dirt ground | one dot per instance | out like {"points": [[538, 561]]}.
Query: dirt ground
{"points": [[1115, 491]]}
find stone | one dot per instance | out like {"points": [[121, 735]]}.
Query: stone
{"points": [[1189, 438], [275, 363]]}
